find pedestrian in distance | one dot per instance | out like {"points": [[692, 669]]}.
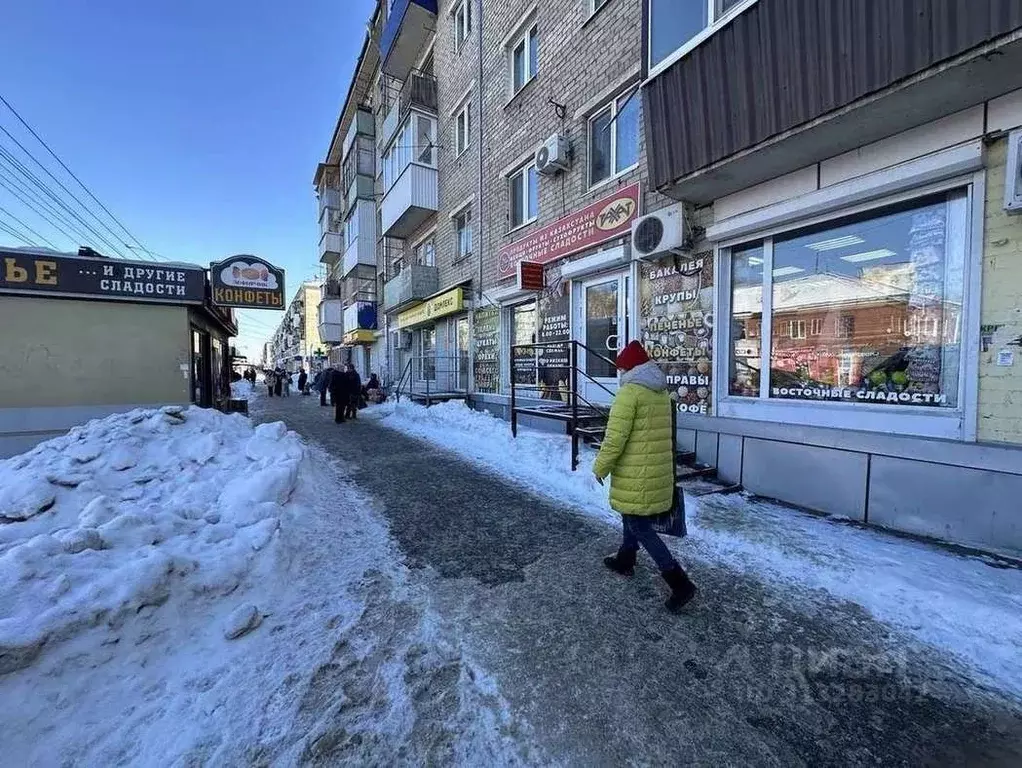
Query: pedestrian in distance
{"points": [[339, 393], [269, 378], [278, 379], [286, 378], [322, 384], [354, 391], [303, 382], [638, 454]]}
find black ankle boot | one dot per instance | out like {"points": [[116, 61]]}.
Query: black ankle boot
{"points": [[623, 563], [682, 588]]}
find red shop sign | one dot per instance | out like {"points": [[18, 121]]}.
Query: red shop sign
{"points": [[530, 276], [604, 220]]}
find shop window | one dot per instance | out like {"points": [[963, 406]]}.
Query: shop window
{"points": [[523, 332], [886, 292], [463, 234], [614, 139], [524, 57], [523, 195], [426, 340]]}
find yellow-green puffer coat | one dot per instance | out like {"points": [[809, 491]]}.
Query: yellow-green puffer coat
{"points": [[638, 451]]}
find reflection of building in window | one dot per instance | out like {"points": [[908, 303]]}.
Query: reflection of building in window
{"points": [[846, 326], [816, 326], [797, 329]]}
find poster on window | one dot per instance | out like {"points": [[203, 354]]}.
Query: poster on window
{"points": [[676, 320], [869, 312], [555, 330], [486, 370]]}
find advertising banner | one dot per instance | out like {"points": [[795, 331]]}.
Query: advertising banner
{"points": [[486, 371], [247, 282], [101, 278], [604, 220], [676, 310], [555, 328]]}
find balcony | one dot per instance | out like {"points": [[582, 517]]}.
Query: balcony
{"points": [[360, 316], [733, 111], [410, 202], [330, 248], [408, 27], [410, 286], [329, 201], [418, 92], [360, 233], [331, 321]]}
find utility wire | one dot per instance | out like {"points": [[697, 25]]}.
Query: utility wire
{"points": [[27, 227], [73, 176], [37, 207], [33, 179], [22, 238]]}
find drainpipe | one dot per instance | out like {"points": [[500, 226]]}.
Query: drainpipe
{"points": [[479, 122]]}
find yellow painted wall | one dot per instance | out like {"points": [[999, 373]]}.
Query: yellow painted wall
{"points": [[312, 293], [1000, 388], [58, 352]]}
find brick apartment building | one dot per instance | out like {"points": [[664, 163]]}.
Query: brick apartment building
{"points": [[823, 260]]}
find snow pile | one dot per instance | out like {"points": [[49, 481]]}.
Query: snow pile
{"points": [[121, 512], [959, 604]]}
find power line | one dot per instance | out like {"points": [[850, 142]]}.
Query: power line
{"points": [[39, 208], [22, 238], [27, 227], [73, 176], [5, 155]]}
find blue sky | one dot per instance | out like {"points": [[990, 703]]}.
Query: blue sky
{"points": [[199, 123]]}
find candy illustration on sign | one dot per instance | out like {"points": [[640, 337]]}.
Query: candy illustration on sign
{"points": [[240, 274]]}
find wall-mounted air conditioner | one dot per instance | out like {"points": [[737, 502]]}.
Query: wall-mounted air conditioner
{"points": [[660, 232], [554, 156], [1013, 174]]}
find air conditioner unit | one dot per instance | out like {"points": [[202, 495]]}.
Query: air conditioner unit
{"points": [[659, 232], [404, 339], [1013, 174], [554, 156]]}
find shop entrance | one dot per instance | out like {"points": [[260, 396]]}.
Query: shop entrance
{"points": [[602, 325]]}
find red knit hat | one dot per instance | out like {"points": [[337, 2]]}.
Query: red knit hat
{"points": [[631, 356]]}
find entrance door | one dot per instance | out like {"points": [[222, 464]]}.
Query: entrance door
{"points": [[604, 325], [461, 347]]}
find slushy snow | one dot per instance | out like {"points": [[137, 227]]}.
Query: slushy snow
{"points": [[967, 607]]}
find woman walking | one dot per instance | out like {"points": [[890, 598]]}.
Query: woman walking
{"points": [[638, 454]]}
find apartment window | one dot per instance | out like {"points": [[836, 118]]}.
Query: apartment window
{"points": [[676, 25], [859, 276], [463, 234], [415, 142], [524, 58], [425, 252], [523, 195], [614, 138], [463, 129], [462, 23]]}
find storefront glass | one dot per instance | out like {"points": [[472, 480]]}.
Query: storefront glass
{"points": [[523, 331], [602, 311], [427, 354], [200, 369], [863, 310]]}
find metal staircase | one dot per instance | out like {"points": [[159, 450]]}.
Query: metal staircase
{"points": [[586, 421]]}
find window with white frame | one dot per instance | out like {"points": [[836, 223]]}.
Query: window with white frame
{"points": [[462, 23], [463, 128], [675, 24], [425, 252], [595, 5], [415, 142], [463, 234], [884, 293], [523, 195], [614, 138], [524, 57]]}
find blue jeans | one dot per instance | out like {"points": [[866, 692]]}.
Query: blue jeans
{"points": [[638, 530]]}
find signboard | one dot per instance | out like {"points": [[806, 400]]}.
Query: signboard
{"points": [[101, 278], [604, 220], [676, 307], [446, 303], [247, 282], [359, 336], [555, 328], [486, 330], [530, 276]]}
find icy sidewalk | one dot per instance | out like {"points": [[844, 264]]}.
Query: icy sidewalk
{"points": [[181, 588], [964, 607]]}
